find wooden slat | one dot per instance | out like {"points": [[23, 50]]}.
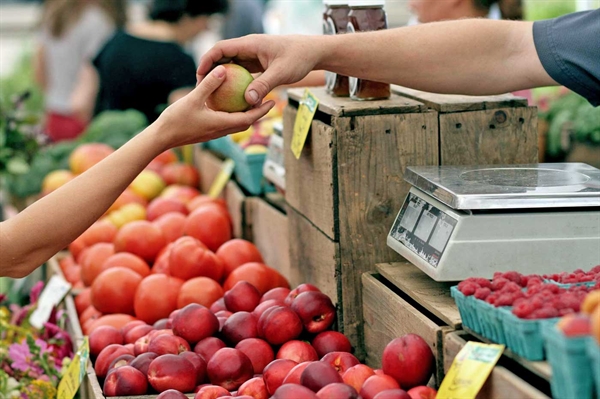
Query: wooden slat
{"points": [[314, 258], [388, 316], [235, 199], [501, 384], [310, 180], [340, 106], [499, 136], [432, 295], [445, 103], [209, 165], [373, 153], [270, 235]]}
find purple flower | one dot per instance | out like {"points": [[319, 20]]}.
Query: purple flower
{"points": [[22, 359], [2, 298], [36, 290]]}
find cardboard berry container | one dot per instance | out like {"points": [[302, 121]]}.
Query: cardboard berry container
{"points": [[593, 351], [491, 320], [467, 308], [524, 336], [588, 284], [571, 372]]}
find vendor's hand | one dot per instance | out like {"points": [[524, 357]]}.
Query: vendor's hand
{"points": [[283, 59], [189, 120]]}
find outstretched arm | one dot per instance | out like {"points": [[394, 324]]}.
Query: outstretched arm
{"points": [[474, 56], [30, 238]]}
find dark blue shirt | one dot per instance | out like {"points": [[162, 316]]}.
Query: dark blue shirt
{"points": [[569, 49]]}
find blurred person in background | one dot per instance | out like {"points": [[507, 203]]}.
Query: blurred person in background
{"points": [[434, 10], [244, 17], [145, 66], [72, 33]]}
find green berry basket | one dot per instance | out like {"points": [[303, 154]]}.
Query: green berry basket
{"points": [[491, 321], [593, 351], [467, 308], [524, 336], [572, 376]]}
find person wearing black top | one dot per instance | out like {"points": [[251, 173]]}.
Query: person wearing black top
{"points": [[144, 66]]}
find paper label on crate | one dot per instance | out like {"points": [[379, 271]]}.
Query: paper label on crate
{"points": [[469, 371], [53, 293], [69, 384], [222, 178], [306, 112]]}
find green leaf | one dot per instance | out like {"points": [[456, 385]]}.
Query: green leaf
{"points": [[17, 166]]}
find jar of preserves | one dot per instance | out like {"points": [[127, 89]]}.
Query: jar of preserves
{"points": [[365, 16], [335, 21]]}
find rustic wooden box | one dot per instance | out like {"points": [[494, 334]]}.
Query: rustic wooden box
{"points": [[503, 382], [421, 307], [347, 187], [267, 228]]}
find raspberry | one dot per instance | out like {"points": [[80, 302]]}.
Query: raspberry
{"points": [[513, 276], [523, 309], [595, 270], [511, 287], [468, 288], [498, 283], [533, 280], [491, 299], [543, 313], [482, 293], [485, 283], [552, 288], [586, 278], [504, 300], [565, 311]]}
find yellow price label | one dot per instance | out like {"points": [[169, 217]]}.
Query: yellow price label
{"points": [[222, 178], [306, 112], [469, 371], [69, 384]]}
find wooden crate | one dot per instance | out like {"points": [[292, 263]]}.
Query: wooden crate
{"points": [[346, 189], [502, 383], [267, 228], [389, 313], [482, 130]]}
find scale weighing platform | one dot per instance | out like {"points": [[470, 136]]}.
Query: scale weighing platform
{"points": [[459, 221]]}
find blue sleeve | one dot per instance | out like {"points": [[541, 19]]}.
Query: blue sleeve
{"points": [[569, 49]]}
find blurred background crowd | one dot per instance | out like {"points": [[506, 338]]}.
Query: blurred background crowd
{"points": [[65, 62]]}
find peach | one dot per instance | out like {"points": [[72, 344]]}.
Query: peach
{"points": [[168, 344], [242, 297], [171, 394], [142, 361], [258, 351], [180, 173], [125, 381], [199, 364], [299, 290], [132, 324], [87, 155], [298, 351], [280, 325], [340, 361], [275, 372], [239, 326], [393, 394], [123, 360], [356, 376], [573, 325], [316, 311], [319, 374], [161, 206], [338, 391], [409, 360], [422, 392], [106, 356], [208, 347], [293, 377], [230, 96], [377, 383], [103, 336], [278, 293], [254, 388], [331, 341], [211, 392], [229, 368], [294, 391], [180, 192], [172, 372], [55, 179], [260, 309], [218, 305], [194, 323], [171, 224], [162, 324]]}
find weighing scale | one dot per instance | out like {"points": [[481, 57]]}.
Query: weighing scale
{"points": [[459, 221]]}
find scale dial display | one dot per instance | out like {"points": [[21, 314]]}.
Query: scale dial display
{"points": [[423, 228]]}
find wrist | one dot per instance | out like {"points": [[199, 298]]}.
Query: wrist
{"points": [[327, 50]]}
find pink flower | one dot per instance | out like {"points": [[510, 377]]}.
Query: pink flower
{"points": [[36, 290], [22, 359]]}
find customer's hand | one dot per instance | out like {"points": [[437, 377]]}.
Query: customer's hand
{"points": [[189, 120], [283, 59]]}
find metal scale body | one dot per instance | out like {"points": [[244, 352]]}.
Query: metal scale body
{"points": [[459, 222]]}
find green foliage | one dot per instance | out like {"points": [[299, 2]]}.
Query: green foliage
{"points": [[536, 10], [21, 80], [114, 128]]}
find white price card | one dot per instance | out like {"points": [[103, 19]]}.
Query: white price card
{"points": [[53, 293]]}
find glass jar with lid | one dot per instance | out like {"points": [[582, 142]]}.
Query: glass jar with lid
{"points": [[365, 16], [335, 21]]}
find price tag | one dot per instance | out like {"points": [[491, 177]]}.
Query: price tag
{"points": [[53, 293], [69, 384], [221, 179], [306, 112], [469, 371]]}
